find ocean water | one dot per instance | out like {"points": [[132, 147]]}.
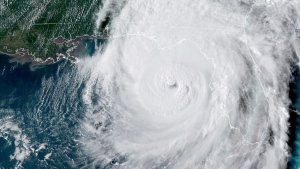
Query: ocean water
{"points": [[213, 93], [38, 116], [41, 112], [294, 132]]}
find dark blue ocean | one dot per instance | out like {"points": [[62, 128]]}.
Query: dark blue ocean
{"points": [[294, 120], [39, 120], [41, 111]]}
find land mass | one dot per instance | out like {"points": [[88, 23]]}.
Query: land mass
{"points": [[44, 31]]}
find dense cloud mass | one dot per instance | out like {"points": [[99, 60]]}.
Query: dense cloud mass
{"points": [[191, 84]]}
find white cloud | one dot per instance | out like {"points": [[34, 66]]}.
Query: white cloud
{"points": [[191, 84]]}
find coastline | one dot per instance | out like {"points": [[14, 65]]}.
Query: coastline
{"points": [[81, 45]]}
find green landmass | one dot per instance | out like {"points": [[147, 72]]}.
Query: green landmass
{"points": [[34, 24]]}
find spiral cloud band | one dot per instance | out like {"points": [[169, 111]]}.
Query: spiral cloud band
{"points": [[191, 84]]}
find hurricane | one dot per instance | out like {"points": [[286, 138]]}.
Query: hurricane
{"points": [[174, 84], [190, 84]]}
